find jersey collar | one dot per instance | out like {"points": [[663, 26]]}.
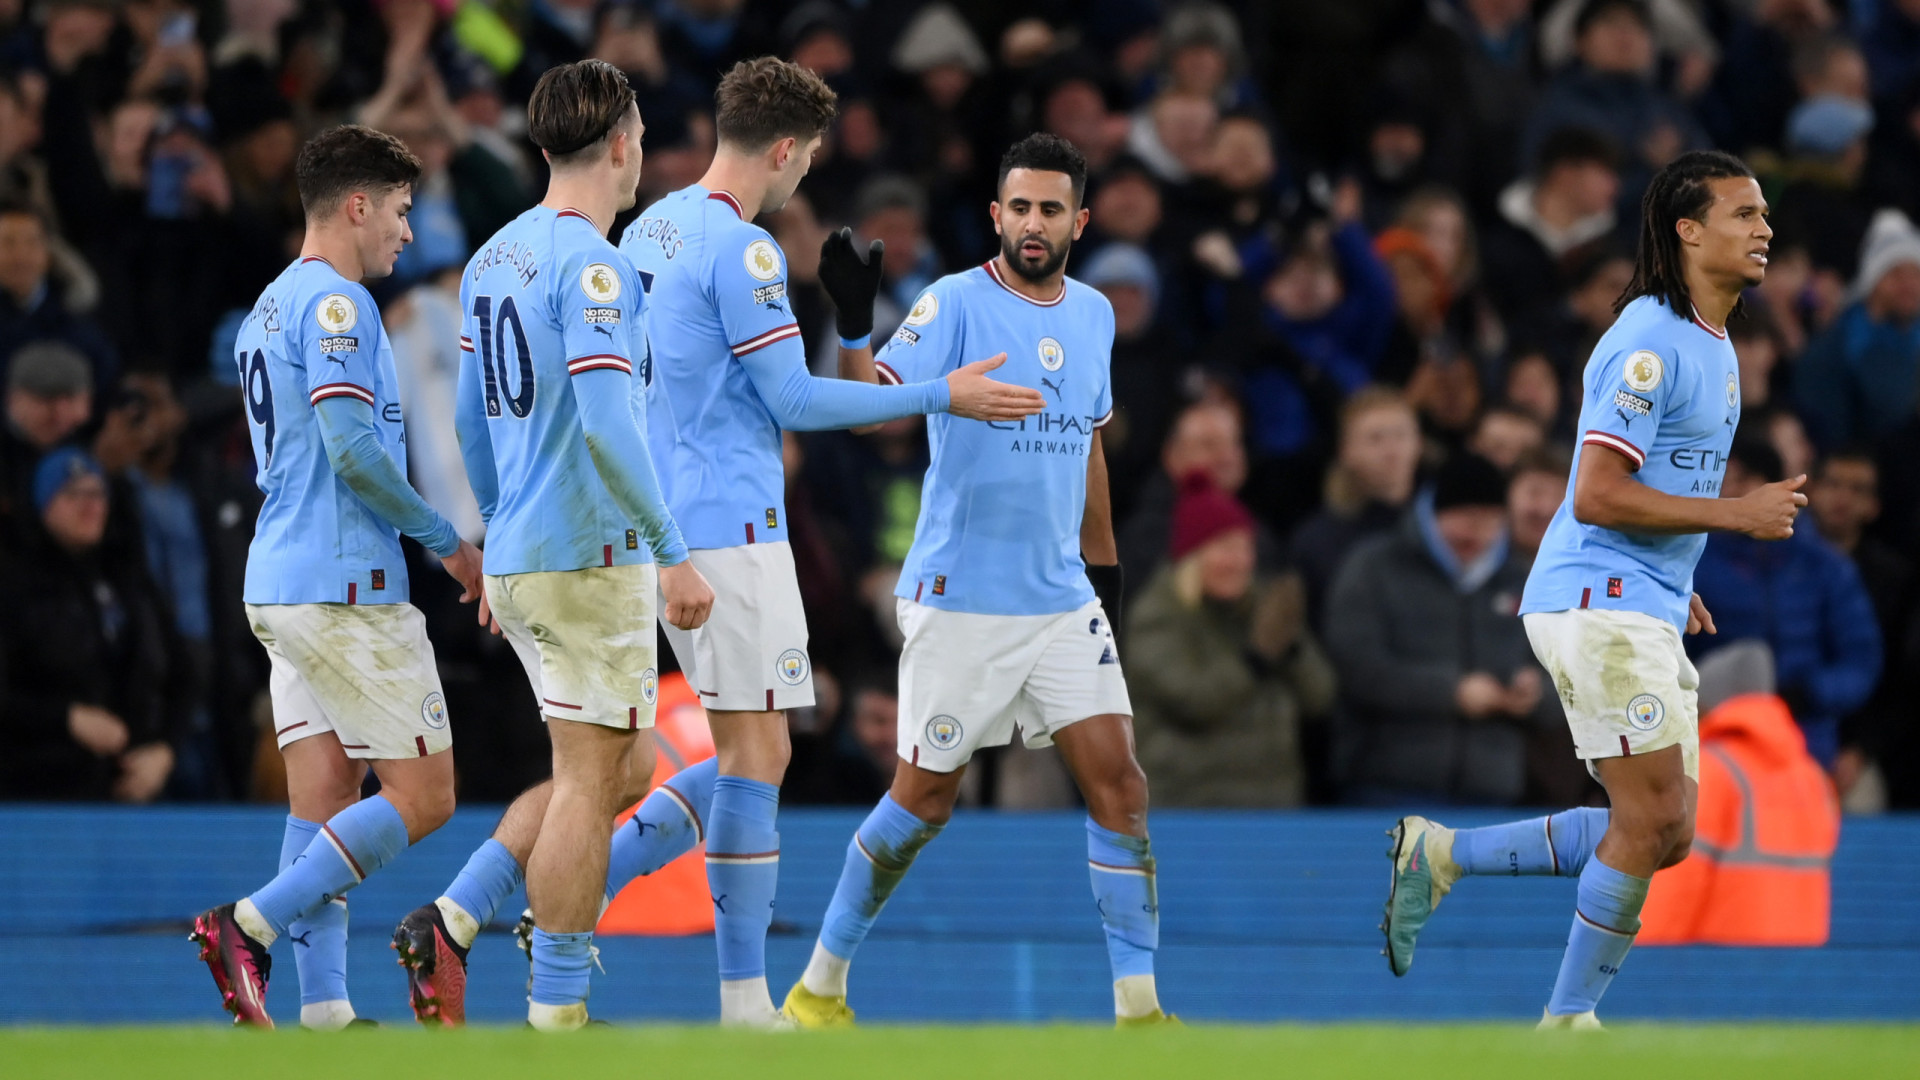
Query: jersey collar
{"points": [[728, 198], [993, 271], [568, 211], [1702, 324]]}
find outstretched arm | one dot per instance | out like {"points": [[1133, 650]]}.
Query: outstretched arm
{"points": [[801, 402]]}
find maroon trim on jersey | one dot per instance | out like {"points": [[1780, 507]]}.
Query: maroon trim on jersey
{"points": [[421, 742], [749, 532], [1702, 324], [606, 554], [352, 592], [339, 389], [290, 727], [1618, 445], [727, 197], [466, 343], [755, 344], [769, 699], [1585, 595], [633, 718], [305, 259], [888, 376], [1625, 750], [1105, 420], [571, 212], [597, 361], [559, 704], [993, 271], [917, 587]]}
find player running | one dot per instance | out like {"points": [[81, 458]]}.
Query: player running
{"points": [[1002, 625], [353, 679], [1612, 587], [550, 430]]}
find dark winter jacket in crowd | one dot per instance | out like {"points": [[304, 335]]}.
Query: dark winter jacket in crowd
{"points": [[79, 629], [1402, 633], [1804, 599]]}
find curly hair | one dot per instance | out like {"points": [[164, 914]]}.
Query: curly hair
{"points": [[1046, 152], [764, 100]]}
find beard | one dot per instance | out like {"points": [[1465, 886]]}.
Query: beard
{"points": [[1028, 269]]}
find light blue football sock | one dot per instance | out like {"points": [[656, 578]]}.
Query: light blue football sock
{"points": [[878, 858], [490, 876], [352, 844], [743, 870], [561, 964], [1559, 845], [319, 939], [1606, 917], [670, 823], [1122, 869]]}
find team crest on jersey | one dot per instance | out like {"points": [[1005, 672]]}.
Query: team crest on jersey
{"points": [[649, 686], [1645, 370], [1645, 712], [336, 313], [924, 310], [601, 283], [1733, 390], [791, 667], [762, 261], [944, 732], [1052, 356], [434, 711]]}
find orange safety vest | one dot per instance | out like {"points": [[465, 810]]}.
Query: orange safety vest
{"points": [[674, 899], [1767, 824]]}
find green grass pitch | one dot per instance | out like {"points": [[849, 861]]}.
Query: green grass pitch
{"points": [[1628, 1051]]}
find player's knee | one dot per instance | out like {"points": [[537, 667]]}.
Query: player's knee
{"points": [[1680, 847], [1119, 800]]}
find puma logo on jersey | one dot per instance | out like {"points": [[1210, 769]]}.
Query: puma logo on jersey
{"points": [[1057, 388]]}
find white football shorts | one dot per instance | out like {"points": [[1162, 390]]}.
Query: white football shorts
{"points": [[362, 671], [966, 681], [751, 655], [586, 639], [1624, 679]]}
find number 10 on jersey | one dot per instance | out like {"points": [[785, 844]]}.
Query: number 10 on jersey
{"points": [[490, 347]]}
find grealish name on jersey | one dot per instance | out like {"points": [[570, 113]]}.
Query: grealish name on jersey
{"points": [[524, 260]]}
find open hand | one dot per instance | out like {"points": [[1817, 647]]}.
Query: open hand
{"points": [[973, 396]]}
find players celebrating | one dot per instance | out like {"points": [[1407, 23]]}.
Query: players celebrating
{"points": [[1611, 589], [1002, 626], [556, 355], [353, 680]]}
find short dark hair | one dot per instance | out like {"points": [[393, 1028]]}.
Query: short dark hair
{"points": [[349, 158], [575, 107], [1045, 152], [1574, 146], [1859, 453], [1594, 10], [764, 100], [1679, 190], [16, 206]]}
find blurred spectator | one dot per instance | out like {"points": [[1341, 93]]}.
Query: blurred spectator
{"points": [[1776, 52], [1149, 372], [1206, 438], [1879, 738], [49, 398], [1424, 291], [38, 304], [1570, 329], [1766, 828], [1536, 489], [1821, 203], [423, 327], [1802, 597], [1221, 665], [1534, 388], [853, 761], [1076, 110], [1201, 55], [1367, 489], [1757, 346], [1611, 88], [1174, 135], [1674, 25], [84, 656], [1890, 36], [1561, 211], [1858, 379], [1439, 687], [1505, 435]]}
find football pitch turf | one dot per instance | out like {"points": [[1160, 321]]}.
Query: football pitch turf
{"points": [[1630, 1051]]}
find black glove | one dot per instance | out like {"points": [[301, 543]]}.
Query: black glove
{"points": [[1110, 586], [852, 280]]}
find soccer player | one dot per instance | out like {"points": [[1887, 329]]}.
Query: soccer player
{"points": [[729, 373], [354, 681], [548, 418], [1612, 587], [1003, 626]]}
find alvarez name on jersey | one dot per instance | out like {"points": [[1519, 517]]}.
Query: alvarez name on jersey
{"points": [[1663, 390], [1000, 510], [311, 336]]}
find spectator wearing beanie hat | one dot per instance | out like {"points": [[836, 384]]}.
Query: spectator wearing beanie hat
{"points": [[1440, 687], [1221, 667]]}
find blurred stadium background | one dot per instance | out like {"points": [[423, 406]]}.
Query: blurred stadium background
{"points": [[1356, 250]]}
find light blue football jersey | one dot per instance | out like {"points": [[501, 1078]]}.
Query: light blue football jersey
{"points": [[730, 370], [1000, 509], [311, 336], [1662, 389], [545, 300]]}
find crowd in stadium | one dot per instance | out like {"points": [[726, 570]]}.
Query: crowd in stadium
{"points": [[1358, 255]]}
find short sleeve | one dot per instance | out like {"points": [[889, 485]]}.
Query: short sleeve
{"points": [[750, 291], [1628, 393], [597, 301], [1103, 398], [339, 335], [927, 344]]}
